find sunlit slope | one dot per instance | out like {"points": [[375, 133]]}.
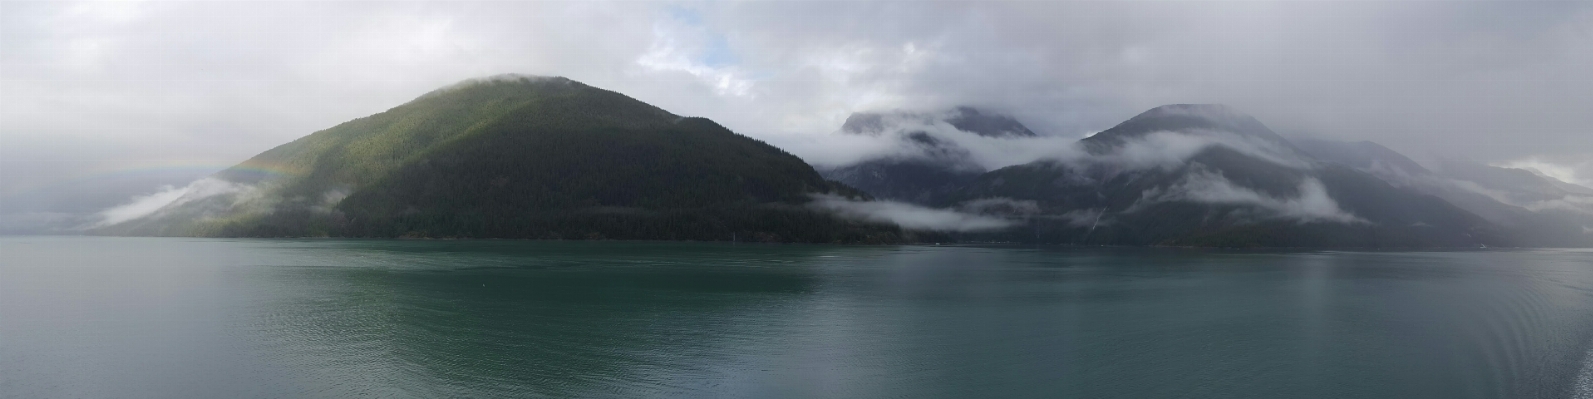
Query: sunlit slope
{"points": [[518, 157]]}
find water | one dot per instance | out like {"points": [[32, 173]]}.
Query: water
{"points": [[176, 318]]}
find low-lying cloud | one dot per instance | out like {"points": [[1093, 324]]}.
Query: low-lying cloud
{"points": [[145, 205], [1579, 204], [908, 216], [1164, 149], [1313, 204], [1560, 171]]}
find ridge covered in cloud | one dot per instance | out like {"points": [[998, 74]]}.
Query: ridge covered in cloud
{"points": [[1313, 204], [105, 85]]}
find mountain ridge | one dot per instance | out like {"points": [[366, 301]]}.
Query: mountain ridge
{"points": [[516, 156], [520, 157]]}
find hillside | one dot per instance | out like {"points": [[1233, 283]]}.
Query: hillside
{"points": [[1206, 175], [518, 157], [1529, 209]]}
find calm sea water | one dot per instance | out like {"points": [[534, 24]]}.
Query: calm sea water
{"points": [[179, 318]]}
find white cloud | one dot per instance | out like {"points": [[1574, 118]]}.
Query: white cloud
{"points": [[126, 83], [669, 52], [146, 205], [1581, 204], [1558, 171], [908, 216], [1155, 150], [1312, 205]]}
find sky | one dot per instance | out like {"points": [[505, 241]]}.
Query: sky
{"points": [[128, 93]]}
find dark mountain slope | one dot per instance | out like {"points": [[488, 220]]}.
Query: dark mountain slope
{"points": [[912, 180], [520, 157], [1240, 185], [1526, 208]]}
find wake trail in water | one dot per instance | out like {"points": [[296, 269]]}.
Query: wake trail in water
{"points": [[1584, 380]]}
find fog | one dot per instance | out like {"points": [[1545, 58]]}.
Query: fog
{"points": [[1166, 150], [92, 89], [145, 205], [1312, 205], [908, 216]]}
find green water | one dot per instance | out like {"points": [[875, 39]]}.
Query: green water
{"points": [[190, 318]]}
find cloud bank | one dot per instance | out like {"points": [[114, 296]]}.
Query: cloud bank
{"points": [[1313, 204], [146, 205], [908, 216], [111, 85]]}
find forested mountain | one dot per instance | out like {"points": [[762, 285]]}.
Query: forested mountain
{"points": [[551, 158], [928, 163], [518, 157], [1206, 175]]}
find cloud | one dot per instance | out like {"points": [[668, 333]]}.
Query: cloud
{"points": [[1313, 204], [1001, 206], [984, 153], [681, 44], [1165, 149], [1168, 149], [110, 85], [908, 216], [1573, 203], [1568, 173], [146, 205]]}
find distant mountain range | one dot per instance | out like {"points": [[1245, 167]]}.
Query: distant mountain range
{"points": [[535, 157], [1208, 175]]}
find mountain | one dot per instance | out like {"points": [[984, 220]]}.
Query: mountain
{"points": [[963, 118], [1364, 155], [1188, 119], [930, 162], [1207, 175], [517, 157], [1520, 185], [1529, 208]]}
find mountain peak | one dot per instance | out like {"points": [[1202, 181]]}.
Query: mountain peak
{"points": [[1187, 118], [1192, 109], [505, 79], [510, 78], [1215, 116], [965, 118], [984, 123]]}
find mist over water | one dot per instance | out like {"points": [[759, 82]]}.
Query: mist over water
{"points": [[157, 318]]}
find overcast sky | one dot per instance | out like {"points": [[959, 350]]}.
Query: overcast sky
{"points": [[94, 88]]}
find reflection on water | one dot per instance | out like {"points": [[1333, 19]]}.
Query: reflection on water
{"points": [[99, 317], [1584, 383]]}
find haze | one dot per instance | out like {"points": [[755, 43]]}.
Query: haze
{"points": [[100, 102]]}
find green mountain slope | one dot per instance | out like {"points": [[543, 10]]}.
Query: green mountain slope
{"points": [[519, 157]]}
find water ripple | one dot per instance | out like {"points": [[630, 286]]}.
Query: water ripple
{"points": [[1584, 381]]}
